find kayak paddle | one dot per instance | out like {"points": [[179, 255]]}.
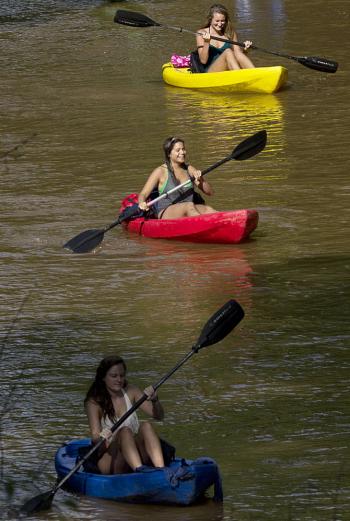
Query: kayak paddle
{"points": [[88, 240], [140, 20], [216, 329]]}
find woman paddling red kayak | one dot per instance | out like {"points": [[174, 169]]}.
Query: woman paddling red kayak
{"points": [[172, 173], [179, 212], [89, 240]]}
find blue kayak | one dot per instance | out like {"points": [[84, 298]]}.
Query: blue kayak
{"points": [[183, 482]]}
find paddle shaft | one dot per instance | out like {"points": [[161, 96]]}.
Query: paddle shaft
{"points": [[124, 217], [232, 42], [151, 203], [121, 420], [90, 239], [140, 20], [216, 329]]}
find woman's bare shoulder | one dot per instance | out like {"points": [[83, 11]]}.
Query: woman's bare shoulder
{"points": [[158, 171], [92, 404]]}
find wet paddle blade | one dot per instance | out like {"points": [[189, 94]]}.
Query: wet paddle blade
{"points": [[37, 504], [220, 324], [318, 64], [250, 146], [133, 19], [85, 242]]}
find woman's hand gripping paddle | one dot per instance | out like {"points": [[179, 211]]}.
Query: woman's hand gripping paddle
{"points": [[88, 240], [140, 20], [216, 329]]}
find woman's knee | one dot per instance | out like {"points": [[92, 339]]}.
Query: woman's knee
{"points": [[191, 209], [209, 209], [230, 58], [113, 447], [228, 52], [124, 433], [146, 428]]}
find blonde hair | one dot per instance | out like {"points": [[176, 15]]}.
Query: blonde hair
{"points": [[221, 9]]}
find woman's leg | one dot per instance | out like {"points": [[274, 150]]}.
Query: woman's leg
{"points": [[104, 464], [204, 208], [178, 210], [149, 445], [112, 461], [128, 448], [225, 62], [244, 61], [229, 61]]}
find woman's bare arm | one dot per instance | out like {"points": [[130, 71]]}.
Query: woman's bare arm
{"points": [[151, 183], [93, 411]]}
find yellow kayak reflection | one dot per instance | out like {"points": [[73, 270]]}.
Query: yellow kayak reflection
{"points": [[219, 115]]}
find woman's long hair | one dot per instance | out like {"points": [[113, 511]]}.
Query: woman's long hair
{"points": [[98, 391], [168, 145], [221, 9]]}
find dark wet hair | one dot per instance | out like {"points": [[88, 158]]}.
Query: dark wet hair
{"points": [[98, 391], [221, 9], [168, 145]]}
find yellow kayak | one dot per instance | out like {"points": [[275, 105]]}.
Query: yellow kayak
{"points": [[260, 79]]}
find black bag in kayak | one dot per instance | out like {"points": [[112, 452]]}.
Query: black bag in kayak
{"points": [[196, 65]]}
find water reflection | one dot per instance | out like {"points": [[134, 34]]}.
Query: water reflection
{"points": [[273, 11], [193, 272], [206, 511], [216, 114], [246, 10], [270, 403]]}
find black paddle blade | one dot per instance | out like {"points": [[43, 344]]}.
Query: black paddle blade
{"points": [[250, 146], [134, 19], [85, 241], [37, 504], [220, 324], [318, 64]]}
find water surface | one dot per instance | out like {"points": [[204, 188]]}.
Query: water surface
{"points": [[271, 402]]}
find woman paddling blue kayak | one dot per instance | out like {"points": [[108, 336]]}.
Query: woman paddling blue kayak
{"points": [[69, 469], [133, 464], [134, 443]]}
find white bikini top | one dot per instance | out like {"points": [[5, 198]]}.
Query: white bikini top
{"points": [[132, 421]]}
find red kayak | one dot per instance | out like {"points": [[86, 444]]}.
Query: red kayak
{"points": [[230, 227]]}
